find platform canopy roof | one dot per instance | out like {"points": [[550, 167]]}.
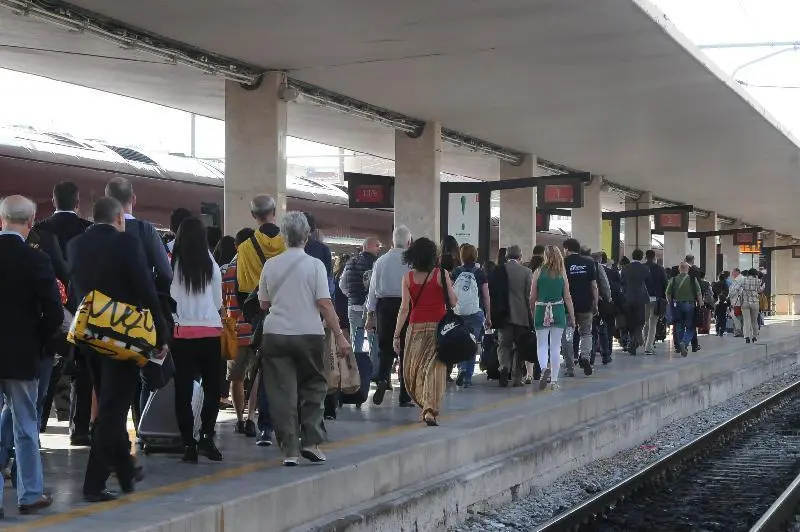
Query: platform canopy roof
{"points": [[607, 86]]}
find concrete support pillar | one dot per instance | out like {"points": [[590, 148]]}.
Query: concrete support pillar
{"points": [[255, 149], [709, 261], [518, 207], [730, 251], [586, 221], [637, 230], [418, 164], [676, 246]]}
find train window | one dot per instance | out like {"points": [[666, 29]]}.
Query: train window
{"points": [[132, 155]]}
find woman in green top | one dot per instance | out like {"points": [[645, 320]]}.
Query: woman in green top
{"points": [[553, 312]]}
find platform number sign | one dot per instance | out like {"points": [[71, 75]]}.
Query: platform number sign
{"points": [[677, 221], [368, 191], [560, 194]]}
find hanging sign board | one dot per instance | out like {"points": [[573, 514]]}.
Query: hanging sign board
{"points": [[560, 194], [675, 222], [368, 191], [542, 221], [753, 249], [748, 238], [463, 220]]}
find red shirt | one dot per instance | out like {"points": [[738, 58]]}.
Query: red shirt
{"points": [[429, 308]]}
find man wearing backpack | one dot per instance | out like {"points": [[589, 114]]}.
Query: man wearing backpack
{"points": [[251, 255], [471, 287]]}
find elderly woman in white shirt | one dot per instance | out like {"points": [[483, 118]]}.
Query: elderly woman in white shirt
{"points": [[294, 287]]}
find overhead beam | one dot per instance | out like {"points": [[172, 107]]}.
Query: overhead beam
{"points": [[637, 213]]}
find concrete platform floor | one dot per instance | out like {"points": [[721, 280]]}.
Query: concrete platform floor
{"points": [[172, 487]]}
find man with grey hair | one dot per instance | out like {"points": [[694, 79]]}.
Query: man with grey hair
{"points": [[30, 314], [383, 305], [294, 287], [517, 327]]}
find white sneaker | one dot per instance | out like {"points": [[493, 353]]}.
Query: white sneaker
{"points": [[313, 454], [291, 461], [555, 386]]}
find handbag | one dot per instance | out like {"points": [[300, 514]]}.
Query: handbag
{"points": [[229, 338], [114, 329], [454, 342], [350, 378], [332, 374]]}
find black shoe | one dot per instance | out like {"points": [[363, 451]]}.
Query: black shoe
{"points": [[189, 454], [250, 429], [632, 352], [44, 502], [696, 348], [503, 378], [80, 441], [537, 374], [103, 496], [380, 391], [328, 416], [407, 404], [460, 379], [746, 340], [138, 476], [2, 513], [239, 427], [607, 360], [754, 340], [207, 448], [265, 438], [587, 368]]}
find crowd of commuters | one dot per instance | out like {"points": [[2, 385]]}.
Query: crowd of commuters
{"points": [[293, 303]]}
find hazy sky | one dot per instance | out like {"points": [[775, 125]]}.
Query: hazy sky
{"points": [[59, 107]]}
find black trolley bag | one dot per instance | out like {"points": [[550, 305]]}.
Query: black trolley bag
{"points": [[490, 361]]}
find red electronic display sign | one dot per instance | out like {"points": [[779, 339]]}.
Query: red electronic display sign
{"points": [[745, 239], [563, 195], [677, 221], [367, 191], [542, 221]]}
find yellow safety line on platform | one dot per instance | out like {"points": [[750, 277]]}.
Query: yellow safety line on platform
{"points": [[227, 474]]}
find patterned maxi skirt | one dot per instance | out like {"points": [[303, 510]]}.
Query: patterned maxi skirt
{"points": [[425, 376]]}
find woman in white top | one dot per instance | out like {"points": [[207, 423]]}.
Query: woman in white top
{"points": [[294, 287], [196, 348]]}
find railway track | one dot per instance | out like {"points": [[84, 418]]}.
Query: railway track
{"points": [[733, 477]]}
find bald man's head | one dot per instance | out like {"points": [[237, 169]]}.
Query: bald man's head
{"points": [[17, 214]]}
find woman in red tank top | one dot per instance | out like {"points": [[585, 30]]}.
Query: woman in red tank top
{"points": [[424, 306]]}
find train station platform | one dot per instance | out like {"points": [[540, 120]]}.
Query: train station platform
{"points": [[385, 471]]}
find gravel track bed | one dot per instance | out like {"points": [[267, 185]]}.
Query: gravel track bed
{"points": [[567, 491]]}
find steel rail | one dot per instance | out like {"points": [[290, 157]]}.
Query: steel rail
{"points": [[595, 507]]}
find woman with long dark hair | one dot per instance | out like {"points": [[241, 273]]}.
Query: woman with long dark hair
{"points": [[451, 254], [423, 304], [196, 349], [225, 250]]}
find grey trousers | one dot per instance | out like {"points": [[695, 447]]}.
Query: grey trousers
{"points": [[507, 351], [294, 378], [584, 324]]}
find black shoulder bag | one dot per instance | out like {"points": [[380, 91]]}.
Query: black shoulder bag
{"points": [[454, 342]]}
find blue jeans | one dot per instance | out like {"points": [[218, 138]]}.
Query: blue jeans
{"points": [[683, 316], [474, 324], [357, 334], [20, 397], [45, 370]]}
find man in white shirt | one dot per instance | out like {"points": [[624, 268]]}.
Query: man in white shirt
{"points": [[383, 305]]}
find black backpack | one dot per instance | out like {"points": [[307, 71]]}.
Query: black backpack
{"points": [[454, 342]]}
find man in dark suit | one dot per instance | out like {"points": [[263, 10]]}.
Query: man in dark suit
{"points": [[634, 282], [155, 253], [30, 314], [107, 259], [65, 223]]}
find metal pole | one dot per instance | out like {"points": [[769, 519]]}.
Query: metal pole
{"points": [[193, 136]]}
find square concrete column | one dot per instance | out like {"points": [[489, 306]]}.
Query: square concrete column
{"points": [[676, 246], [418, 163], [730, 251], [637, 230], [709, 262], [518, 207], [255, 149], [587, 221]]}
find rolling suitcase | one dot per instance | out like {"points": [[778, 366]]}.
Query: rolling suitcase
{"points": [[490, 362], [158, 428], [365, 372]]}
